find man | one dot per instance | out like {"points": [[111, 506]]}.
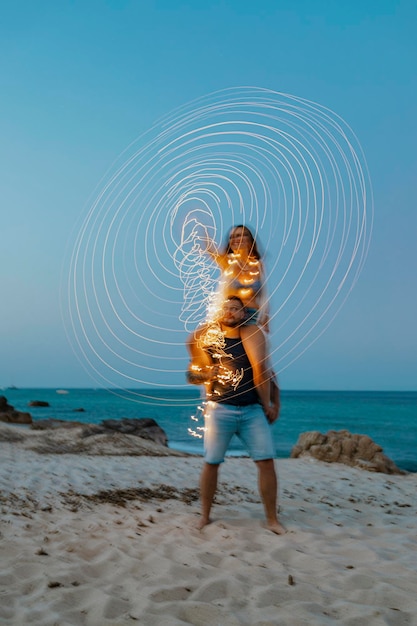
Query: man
{"points": [[229, 358]]}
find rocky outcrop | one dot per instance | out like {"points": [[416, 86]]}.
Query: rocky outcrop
{"points": [[114, 437], [38, 403], [146, 428], [10, 415], [344, 447], [4, 406], [51, 423], [72, 441]]}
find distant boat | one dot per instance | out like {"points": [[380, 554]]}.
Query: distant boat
{"points": [[11, 388], [62, 391]]}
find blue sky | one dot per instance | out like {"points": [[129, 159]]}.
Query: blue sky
{"points": [[81, 80]]}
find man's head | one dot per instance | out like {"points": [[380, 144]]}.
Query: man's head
{"points": [[233, 312]]}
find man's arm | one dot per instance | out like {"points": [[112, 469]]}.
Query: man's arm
{"points": [[200, 369]]}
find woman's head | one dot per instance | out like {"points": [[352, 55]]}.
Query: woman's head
{"points": [[240, 237]]}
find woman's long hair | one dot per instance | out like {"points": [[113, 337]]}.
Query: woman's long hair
{"points": [[253, 246]]}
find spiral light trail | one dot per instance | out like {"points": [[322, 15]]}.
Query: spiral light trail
{"points": [[137, 277]]}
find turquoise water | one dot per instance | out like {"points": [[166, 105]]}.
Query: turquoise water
{"points": [[390, 418]]}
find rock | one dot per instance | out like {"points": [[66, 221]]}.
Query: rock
{"points": [[344, 447], [16, 417], [146, 428], [71, 441], [52, 423], [79, 410], [38, 403], [4, 406], [10, 434], [9, 415]]}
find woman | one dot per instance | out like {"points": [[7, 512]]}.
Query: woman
{"points": [[242, 274]]}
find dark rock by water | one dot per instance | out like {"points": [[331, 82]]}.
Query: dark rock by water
{"points": [[9, 415], [4, 406], [52, 423], [344, 447], [146, 428], [40, 403]]}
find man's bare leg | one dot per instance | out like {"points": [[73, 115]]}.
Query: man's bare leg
{"points": [[268, 489], [208, 486]]}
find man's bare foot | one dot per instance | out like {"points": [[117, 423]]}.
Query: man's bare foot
{"points": [[276, 528], [202, 522]]}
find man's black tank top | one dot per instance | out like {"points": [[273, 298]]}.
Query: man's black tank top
{"points": [[235, 381]]}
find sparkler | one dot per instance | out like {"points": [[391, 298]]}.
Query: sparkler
{"points": [[290, 168]]}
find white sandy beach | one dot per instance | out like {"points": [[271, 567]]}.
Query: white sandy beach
{"points": [[349, 556]]}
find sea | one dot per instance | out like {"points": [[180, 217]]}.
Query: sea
{"points": [[388, 417]]}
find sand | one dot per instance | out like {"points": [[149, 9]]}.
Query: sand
{"points": [[111, 540]]}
